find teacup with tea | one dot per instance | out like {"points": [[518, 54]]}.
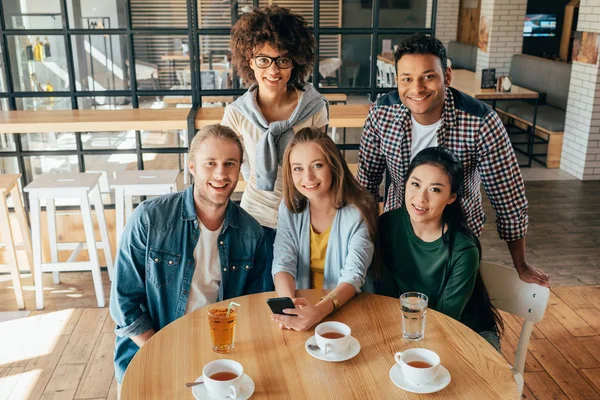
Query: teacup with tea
{"points": [[420, 366], [333, 337], [223, 378]]}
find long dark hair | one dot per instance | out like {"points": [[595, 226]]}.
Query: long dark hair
{"points": [[454, 219]]}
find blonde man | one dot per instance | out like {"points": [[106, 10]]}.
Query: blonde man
{"points": [[184, 250]]}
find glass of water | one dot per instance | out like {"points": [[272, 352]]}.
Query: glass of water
{"points": [[414, 311]]}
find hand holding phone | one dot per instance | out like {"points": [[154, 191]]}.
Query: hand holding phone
{"points": [[278, 304]]}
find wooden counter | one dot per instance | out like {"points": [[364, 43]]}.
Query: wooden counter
{"points": [[341, 116], [346, 116], [92, 120]]}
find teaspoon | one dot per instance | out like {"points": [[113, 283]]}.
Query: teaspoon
{"points": [[190, 384]]}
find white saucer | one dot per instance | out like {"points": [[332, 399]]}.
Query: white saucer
{"points": [[352, 350], [442, 380], [246, 390]]}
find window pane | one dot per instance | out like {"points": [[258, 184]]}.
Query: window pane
{"points": [[37, 165], [29, 14], [104, 103], [101, 62], [301, 7], [343, 60], [157, 102], [2, 72], [109, 140], [177, 101], [216, 62], [159, 14], [43, 103], [48, 141], [38, 63], [7, 142], [405, 13], [171, 138], [9, 165], [93, 14], [4, 104], [162, 62], [351, 14], [217, 14], [386, 69]]}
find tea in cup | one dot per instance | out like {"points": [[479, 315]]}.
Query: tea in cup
{"points": [[420, 366], [333, 337], [223, 378]]}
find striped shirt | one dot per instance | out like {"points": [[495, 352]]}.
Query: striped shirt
{"points": [[475, 133]]}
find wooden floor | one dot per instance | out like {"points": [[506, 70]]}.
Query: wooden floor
{"points": [[66, 353]]}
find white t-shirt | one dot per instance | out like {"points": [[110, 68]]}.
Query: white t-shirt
{"points": [[260, 204], [423, 136], [204, 288]]}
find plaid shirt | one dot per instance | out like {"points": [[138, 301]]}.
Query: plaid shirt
{"points": [[473, 131]]}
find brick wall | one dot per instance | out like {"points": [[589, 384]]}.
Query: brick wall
{"points": [[581, 144], [505, 20], [446, 23]]}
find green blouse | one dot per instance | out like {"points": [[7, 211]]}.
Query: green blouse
{"points": [[410, 264]]}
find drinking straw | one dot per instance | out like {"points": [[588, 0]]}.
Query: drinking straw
{"points": [[231, 304]]}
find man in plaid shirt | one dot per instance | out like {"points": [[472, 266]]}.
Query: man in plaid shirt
{"points": [[426, 112]]}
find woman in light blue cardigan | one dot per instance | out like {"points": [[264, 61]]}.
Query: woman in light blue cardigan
{"points": [[326, 229]]}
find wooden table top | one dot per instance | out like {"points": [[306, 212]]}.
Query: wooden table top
{"points": [[282, 369], [92, 120], [469, 83], [386, 58], [175, 57]]}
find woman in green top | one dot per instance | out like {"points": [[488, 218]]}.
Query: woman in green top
{"points": [[427, 246]]}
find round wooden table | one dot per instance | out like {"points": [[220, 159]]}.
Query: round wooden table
{"points": [[282, 369]]}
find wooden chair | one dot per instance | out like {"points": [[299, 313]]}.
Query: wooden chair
{"points": [[526, 300], [9, 186]]}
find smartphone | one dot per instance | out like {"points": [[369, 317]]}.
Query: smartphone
{"points": [[278, 304]]}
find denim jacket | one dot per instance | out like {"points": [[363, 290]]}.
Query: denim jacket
{"points": [[155, 264]]}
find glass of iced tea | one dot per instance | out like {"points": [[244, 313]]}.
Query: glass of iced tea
{"points": [[222, 327]]}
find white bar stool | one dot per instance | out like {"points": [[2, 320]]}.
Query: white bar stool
{"points": [[9, 186], [80, 186], [138, 183]]}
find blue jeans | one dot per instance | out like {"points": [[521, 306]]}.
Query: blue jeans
{"points": [[269, 240]]}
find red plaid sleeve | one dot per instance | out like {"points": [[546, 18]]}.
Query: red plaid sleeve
{"points": [[371, 161], [502, 179]]}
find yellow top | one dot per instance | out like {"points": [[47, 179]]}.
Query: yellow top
{"points": [[318, 249]]}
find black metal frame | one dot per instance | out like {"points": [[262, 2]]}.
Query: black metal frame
{"points": [[193, 32]]}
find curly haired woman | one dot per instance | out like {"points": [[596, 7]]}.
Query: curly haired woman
{"points": [[274, 51]]}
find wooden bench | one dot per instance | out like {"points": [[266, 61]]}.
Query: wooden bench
{"points": [[554, 139]]}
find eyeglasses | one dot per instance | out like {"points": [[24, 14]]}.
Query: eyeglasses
{"points": [[264, 62]]}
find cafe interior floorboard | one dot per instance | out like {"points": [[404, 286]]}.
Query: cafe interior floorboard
{"points": [[66, 349]]}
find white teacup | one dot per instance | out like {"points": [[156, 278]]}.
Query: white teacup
{"points": [[419, 374], [333, 345], [223, 388]]}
